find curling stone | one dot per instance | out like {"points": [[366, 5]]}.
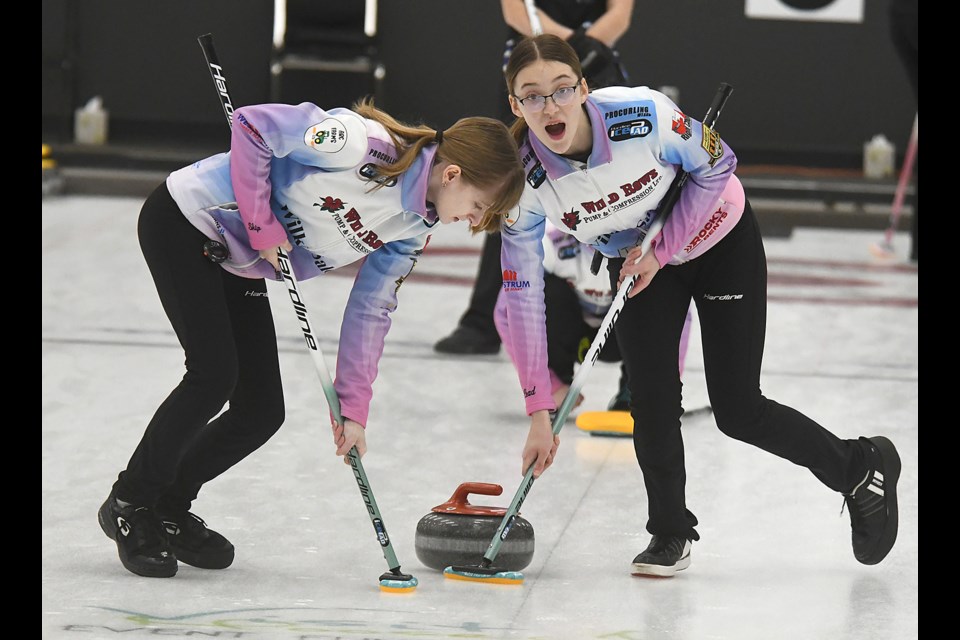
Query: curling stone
{"points": [[458, 533]]}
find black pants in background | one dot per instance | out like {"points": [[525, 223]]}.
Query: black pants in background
{"points": [[483, 299], [729, 286], [225, 326], [566, 329]]}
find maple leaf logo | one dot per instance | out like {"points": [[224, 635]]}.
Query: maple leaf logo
{"points": [[679, 122], [571, 219], [331, 204]]}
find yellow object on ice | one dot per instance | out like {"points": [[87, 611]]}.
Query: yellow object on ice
{"points": [[612, 423], [46, 157]]}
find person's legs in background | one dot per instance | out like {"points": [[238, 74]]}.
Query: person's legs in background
{"points": [[476, 333]]}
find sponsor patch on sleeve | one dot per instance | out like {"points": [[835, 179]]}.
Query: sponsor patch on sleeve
{"points": [[513, 282], [328, 136], [252, 130], [711, 144], [680, 123]]}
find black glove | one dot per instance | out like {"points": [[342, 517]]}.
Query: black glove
{"points": [[600, 64]]}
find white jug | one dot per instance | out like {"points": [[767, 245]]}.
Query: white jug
{"points": [[878, 157], [90, 123]]}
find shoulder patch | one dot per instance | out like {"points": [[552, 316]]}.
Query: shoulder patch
{"points": [[711, 143], [329, 135], [537, 175]]}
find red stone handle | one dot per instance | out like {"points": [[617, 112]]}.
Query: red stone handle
{"points": [[458, 501]]}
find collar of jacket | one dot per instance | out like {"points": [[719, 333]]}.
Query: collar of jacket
{"points": [[413, 186], [557, 166]]}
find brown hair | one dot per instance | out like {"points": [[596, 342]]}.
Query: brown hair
{"points": [[483, 148], [528, 51]]}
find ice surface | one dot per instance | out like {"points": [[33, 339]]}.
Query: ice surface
{"points": [[774, 561]]}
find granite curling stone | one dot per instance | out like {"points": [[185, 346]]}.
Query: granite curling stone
{"points": [[457, 532]]}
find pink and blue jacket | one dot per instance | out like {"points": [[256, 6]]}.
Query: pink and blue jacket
{"points": [[641, 140], [305, 174]]}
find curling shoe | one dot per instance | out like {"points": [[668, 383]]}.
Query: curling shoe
{"points": [[141, 541], [664, 556], [195, 544], [872, 504], [468, 341]]}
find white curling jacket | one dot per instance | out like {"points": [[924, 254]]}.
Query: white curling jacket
{"points": [[641, 140]]}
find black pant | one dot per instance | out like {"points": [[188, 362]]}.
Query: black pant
{"points": [[568, 335], [225, 326], [729, 287], [483, 299]]}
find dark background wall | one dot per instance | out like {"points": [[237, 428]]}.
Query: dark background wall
{"points": [[143, 59], [804, 92]]}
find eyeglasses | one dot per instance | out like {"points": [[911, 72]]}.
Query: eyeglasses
{"points": [[561, 97]]}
